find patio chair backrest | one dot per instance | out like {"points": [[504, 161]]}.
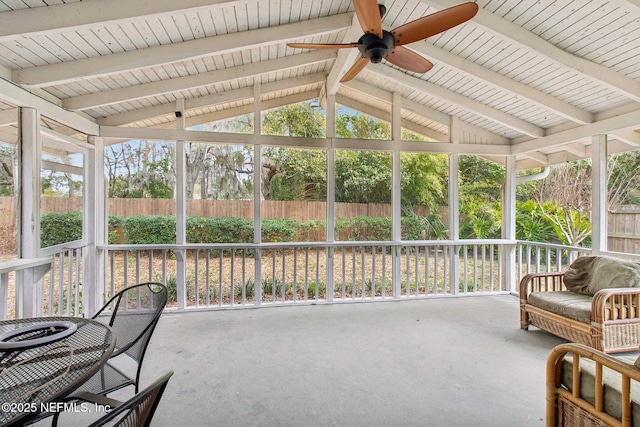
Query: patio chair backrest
{"points": [[139, 410], [134, 313]]}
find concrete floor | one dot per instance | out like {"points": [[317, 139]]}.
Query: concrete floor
{"points": [[435, 362]]}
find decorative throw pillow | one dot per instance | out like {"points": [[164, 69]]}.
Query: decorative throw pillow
{"points": [[578, 275], [588, 275]]}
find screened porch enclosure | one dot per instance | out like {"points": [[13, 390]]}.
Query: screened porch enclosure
{"points": [[262, 273], [526, 85]]}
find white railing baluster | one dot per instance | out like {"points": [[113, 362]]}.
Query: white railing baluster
{"points": [[361, 270]]}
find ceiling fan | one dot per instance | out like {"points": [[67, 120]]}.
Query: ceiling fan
{"points": [[377, 44]]}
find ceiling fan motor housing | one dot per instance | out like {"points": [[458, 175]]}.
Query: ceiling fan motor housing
{"points": [[376, 48]]}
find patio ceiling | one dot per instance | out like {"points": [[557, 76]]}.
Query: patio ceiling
{"points": [[534, 79]]}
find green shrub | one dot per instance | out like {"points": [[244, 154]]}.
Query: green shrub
{"points": [[161, 229], [412, 227], [311, 231], [60, 227], [115, 221], [150, 229], [219, 230], [279, 229]]}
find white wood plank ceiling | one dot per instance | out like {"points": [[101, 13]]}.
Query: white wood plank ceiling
{"points": [[535, 79]]}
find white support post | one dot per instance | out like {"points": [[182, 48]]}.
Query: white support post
{"points": [[508, 252], [95, 226], [257, 191], [29, 164], [181, 211], [454, 207], [331, 193], [396, 196], [599, 193]]}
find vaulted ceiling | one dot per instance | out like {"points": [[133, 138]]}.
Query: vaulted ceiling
{"points": [[534, 79]]}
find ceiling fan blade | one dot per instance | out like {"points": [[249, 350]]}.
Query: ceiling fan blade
{"points": [[355, 69], [321, 45], [368, 15], [435, 23], [409, 60]]}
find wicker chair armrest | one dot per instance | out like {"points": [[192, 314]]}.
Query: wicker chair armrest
{"points": [[616, 304], [578, 351], [541, 282]]}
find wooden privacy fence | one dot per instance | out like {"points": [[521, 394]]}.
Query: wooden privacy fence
{"points": [[624, 231], [301, 211]]}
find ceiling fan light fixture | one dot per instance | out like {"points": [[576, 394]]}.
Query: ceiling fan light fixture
{"points": [[375, 48]]}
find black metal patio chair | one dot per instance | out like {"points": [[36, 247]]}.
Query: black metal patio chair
{"points": [[132, 314], [135, 412]]}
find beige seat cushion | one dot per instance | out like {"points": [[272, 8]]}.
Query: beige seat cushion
{"points": [[567, 304]]}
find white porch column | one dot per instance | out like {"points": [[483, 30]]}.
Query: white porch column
{"points": [[396, 196], [95, 226], [331, 194], [257, 193], [454, 206], [508, 252], [181, 211], [599, 209], [29, 165]]}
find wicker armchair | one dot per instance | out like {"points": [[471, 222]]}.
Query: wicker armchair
{"points": [[135, 412], [613, 324], [586, 387]]}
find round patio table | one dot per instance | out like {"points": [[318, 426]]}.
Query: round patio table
{"points": [[45, 359]]}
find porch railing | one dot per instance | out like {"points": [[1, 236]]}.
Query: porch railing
{"points": [[248, 275], [240, 275], [46, 286], [537, 257]]}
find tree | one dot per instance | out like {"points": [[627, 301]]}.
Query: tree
{"points": [[217, 171], [141, 169], [363, 177], [359, 126], [7, 160], [623, 179], [565, 198], [423, 179], [300, 120], [294, 174]]}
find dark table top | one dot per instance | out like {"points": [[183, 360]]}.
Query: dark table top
{"points": [[50, 371]]}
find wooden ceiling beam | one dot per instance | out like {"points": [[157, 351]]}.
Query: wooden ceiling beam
{"points": [[99, 66], [460, 101], [114, 96], [504, 83], [82, 15], [210, 100]]}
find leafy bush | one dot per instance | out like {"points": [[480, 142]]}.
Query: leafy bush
{"points": [[115, 221], [279, 229], [160, 229], [60, 227], [412, 227], [150, 229], [219, 230], [311, 231]]}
